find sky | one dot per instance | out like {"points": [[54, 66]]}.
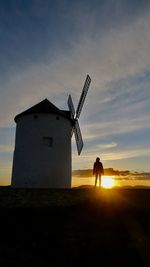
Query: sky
{"points": [[46, 50]]}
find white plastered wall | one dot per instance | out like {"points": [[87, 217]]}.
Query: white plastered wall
{"points": [[42, 156]]}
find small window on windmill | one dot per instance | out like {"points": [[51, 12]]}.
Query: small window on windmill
{"points": [[48, 141]]}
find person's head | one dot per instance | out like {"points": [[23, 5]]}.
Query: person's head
{"points": [[97, 159]]}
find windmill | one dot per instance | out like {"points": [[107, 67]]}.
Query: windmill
{"points": [[42, 155], [75, 115]]}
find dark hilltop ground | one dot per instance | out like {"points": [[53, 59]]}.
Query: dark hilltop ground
{"points": [[75, 227]]}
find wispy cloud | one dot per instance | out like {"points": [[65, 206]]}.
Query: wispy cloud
{"points": [[107, 146], [99, 130], [130, 153]]}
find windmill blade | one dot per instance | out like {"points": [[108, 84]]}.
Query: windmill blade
{"points": [[83, 95], [71, 107], [78, 137]]}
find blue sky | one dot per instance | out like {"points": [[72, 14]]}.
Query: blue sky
{"points": [[46, 50]]}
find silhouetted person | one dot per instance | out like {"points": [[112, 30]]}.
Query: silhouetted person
{"points": [[98, 170]]}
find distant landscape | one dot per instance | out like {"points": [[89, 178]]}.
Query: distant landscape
{"points": [[108, 171]]}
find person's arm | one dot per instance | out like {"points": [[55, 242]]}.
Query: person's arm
{"points": [[102, 169]]}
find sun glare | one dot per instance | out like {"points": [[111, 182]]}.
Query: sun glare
{"points": [[108, 181]]}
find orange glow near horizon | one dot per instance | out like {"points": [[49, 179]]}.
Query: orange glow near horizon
{"points": [[107, 181]]}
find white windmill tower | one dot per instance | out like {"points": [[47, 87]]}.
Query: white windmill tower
{"points": [[42, 155]]}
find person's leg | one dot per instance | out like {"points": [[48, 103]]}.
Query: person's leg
{"points": [[96, 176], [99, 180]]}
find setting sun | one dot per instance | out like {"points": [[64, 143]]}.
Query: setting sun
{"points": [[108, 181]]}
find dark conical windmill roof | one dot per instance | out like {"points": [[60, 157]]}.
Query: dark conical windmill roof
{"points": [[44, 106]]}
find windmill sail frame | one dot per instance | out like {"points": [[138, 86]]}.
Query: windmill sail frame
{"points": [[71, 107], [75, 115], [78, 137], [83, 96]]}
